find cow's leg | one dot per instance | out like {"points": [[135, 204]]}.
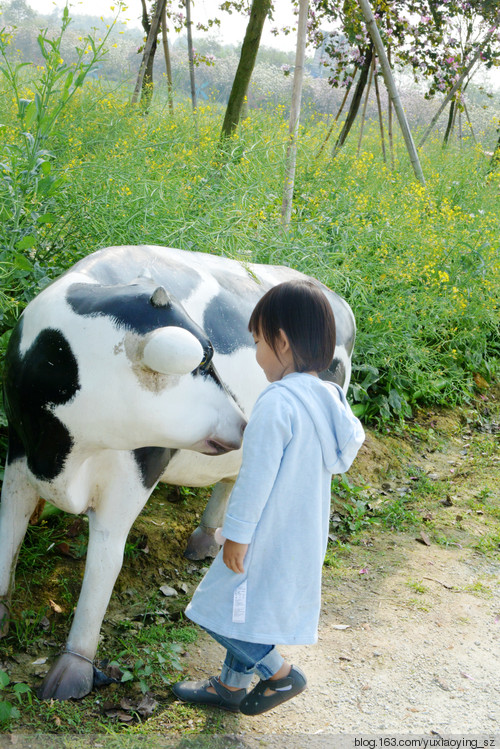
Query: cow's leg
{"points": [[121, 500], [201, 543], [19, 500]]}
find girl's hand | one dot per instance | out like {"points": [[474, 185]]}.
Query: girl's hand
{"points": [[233, 555]]}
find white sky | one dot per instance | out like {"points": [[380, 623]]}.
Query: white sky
{"points": [[232, 27]]}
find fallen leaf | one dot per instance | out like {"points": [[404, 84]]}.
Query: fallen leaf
{"points": [[64, 549], [127, 704], [424, 539], [480, 381], [147, 706], [75, 528], [39, 662], [55, 607]]}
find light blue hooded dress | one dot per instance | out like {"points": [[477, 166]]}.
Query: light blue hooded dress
{"points": [[301, 431]]}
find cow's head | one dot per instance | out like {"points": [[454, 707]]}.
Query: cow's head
{"points": [[178, 399]]}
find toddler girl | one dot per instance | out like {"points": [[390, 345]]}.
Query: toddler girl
{"points": [[264, 587]]}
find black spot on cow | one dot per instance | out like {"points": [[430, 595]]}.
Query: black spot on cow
{"points": [[45, 376], [226, 324], [130, 307], [152, 462], [335, 373]]}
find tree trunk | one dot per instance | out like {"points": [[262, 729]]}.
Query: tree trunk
{"points": [[168, 63], [469, 122], [355, 102], [495, 159], [363, 116], [144, 81], [298, 77], [189, 24], [341, 109], [389, 119], [391, 88], [249, 49], [451, 121], [380, 117]]}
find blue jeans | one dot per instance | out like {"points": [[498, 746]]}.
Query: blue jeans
{"points": [[244, 659]]}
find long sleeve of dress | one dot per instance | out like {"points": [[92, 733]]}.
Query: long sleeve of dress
{"points": [[266, 437]]}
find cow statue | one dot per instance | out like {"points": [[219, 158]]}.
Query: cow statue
{"points": [[134, 366]]}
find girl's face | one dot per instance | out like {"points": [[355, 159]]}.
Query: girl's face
{"points": [[275, 364]]}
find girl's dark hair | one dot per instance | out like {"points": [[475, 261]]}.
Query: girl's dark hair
{"points": [[302, 311]]}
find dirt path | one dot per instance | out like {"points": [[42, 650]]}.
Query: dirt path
{"points": [[406, 663]]}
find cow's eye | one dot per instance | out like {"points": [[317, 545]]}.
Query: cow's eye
{"points": [[208, 353]]}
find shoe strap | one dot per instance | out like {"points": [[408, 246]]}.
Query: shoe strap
{"points": [[226, 694]]}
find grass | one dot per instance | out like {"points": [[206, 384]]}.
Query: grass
{"points": [[419, 266]]}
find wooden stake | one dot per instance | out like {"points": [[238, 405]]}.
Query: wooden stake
{"points": [[380, 118], [152, 36], [298, 77], [363, 115], [391, 88], [168, 62], [349, 86], [189, 24]]}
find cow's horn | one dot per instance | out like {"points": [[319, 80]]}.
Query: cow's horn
{"points": [[172, 351], [160, 298]]}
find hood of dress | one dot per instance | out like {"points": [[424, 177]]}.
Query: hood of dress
{"points": [[340, 432]]}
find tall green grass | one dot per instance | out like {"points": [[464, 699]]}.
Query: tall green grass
{"points": [[419, 265]]}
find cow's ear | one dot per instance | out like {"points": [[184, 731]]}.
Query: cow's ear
{"points": [[173, 351], [160, 298]]}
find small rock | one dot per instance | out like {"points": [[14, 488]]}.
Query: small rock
{"points": [[168, 591]]}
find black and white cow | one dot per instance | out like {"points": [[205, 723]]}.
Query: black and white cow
{"points": [[135, 365]]}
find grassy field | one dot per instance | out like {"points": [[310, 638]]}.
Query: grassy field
{"points": [[419, 265]]}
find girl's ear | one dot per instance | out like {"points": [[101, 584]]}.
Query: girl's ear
{"points": [[283, 344]]}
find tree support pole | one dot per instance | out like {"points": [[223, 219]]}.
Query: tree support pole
{"points": [[391, 88], [151, 40], [298, 77]]}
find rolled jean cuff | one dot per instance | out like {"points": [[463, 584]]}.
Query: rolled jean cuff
{"points": [[234, 678], [265, 668]]}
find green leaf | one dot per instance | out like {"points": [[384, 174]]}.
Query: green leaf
{"points": [[127, 676], [29, 114], [47, 218], [359, 409], [4, 680], [26, 243], [6, 710]]}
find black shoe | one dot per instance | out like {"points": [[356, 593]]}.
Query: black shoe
{"points": [[197, 691], [256, 701]]}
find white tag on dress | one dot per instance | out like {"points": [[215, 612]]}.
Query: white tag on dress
{"points": [[240, 603]]}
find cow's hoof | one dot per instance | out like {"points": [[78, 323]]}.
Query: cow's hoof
{"points": [[70, 677], [4, 619], [202, 544]]}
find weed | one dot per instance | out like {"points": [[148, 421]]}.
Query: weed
{"points": [[356, 511], [19, 691], [418, 587], [397, 514], [27, 628]]}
